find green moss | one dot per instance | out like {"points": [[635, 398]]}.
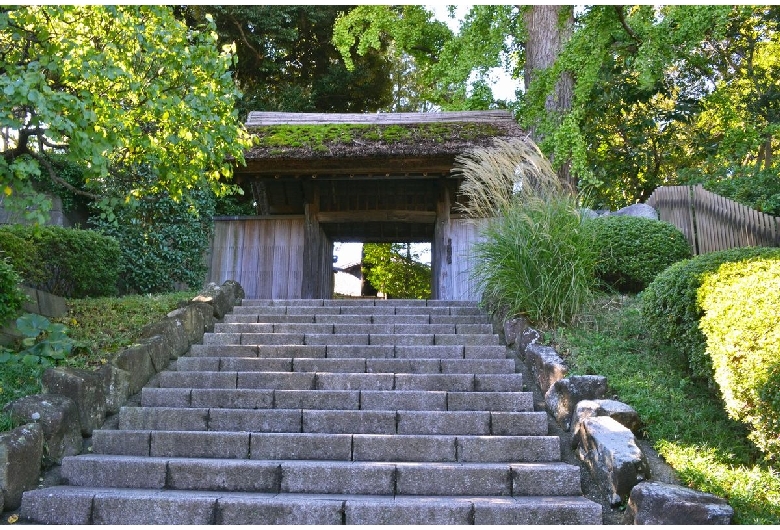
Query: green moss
{"points": [[319, 137]]}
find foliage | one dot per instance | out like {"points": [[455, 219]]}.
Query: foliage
{"points": [[757, 189], [393, 270], [682, 418], [535, 258], [103, 325], [286, 61], [11, 297], [44, 343], [18, 380], [115, 88], [163, 242], [671, 309], [64, 261], [634, 250], [742, 328]]}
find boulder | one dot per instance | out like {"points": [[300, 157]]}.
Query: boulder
{"points": [[655, 503], [59, 420], [207, 312], [546, 365], [191, 319], [116, 383], [221, 300], [613, 457], [234, 291], [136, 361], [564, 394], [173, 335], [21, 451], [513, 329], [638, 210], [85, 388], [618, 411]]}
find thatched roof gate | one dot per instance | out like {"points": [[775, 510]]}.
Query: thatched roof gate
{"points": [[358, 177]]}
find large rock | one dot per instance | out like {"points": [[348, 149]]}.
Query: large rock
{"points": [[173, 334], [655, 503], [136, 361], [82, 386], [116, 383], [223, 298], [58, 417], [192, 320], [613, 457], [618, 411], [638, 210], [21, 451], [546, 365], [564, 394]]}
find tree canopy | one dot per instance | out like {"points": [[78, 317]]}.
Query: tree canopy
{"points": [[117, 89]]}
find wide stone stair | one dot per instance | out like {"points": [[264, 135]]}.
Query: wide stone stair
{"points": [[328, 412]]}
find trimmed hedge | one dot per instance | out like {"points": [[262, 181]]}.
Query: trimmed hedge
{"points": [[634, 250], [11, 297], [671, 309], [63, 261], [742, 326]]}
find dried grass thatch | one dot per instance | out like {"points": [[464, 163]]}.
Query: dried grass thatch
{"points": [[511, 170]]}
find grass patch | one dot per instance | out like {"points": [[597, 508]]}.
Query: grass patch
{"points": [[101, 326], [104, 325], [685, 420]]}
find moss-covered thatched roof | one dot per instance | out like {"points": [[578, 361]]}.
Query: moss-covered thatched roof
{"points": [[305, 136]]}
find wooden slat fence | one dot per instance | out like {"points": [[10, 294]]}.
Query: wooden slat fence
{"points": [[711, 222]]}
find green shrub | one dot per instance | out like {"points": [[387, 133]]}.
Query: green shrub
{"points": [[634, 250], [671, 310], [742, 326], [392, 271], [536, 259], [11, 297], [163, 241], [64, 261]]}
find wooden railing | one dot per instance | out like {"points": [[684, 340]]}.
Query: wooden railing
{"points": [[711, 222]]}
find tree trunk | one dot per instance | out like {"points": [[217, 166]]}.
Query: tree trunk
{"points": [[548, 29]]}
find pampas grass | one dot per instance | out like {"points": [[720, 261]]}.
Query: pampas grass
{"points": [[534, 258]]}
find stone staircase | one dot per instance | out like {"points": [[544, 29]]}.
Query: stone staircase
{"points": [[328, 412]]}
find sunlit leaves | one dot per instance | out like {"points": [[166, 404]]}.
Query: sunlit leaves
{"points": [[113, 84]]}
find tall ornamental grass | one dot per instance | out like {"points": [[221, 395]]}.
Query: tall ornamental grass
{"points": [[534, 257]]}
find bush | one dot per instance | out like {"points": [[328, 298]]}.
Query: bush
{"points": [[391, 271], [671, 309], [63, 261], [163, 241], [742, 327], [536, 259], [634, 250], [11, 297]]}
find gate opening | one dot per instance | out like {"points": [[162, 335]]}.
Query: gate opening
{"points": [[382, 270]]}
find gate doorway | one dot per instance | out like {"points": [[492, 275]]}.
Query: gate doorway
{"points": [[378, 178]]}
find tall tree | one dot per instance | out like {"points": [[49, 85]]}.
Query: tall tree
{"points": [[117, 89], [286, 61]]}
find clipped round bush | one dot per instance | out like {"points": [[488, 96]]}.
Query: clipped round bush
{"points": [[671, 310], [741, 324], [64, 261], [11, 297], [634, 250]]}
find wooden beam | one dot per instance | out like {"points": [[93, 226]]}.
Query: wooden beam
{"points": [[372, 216], [375, 167]]}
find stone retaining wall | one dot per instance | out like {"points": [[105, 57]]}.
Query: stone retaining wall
{"points": [[75, 402]]}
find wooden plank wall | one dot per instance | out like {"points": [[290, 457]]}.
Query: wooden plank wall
{"points": [[711, 222], [264, 255]]}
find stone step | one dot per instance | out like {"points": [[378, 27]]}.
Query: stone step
{"points": [[360, 310], [351, 351], [357, 302], [355, 365], [449, 382], [367, 421], [80, 506], [279, 317], [312, 337], [355, 328], [335, 399], [357, 447], [325, 476]]}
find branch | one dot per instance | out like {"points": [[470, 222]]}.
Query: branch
{"points": [[622, 18], [59, 180]]}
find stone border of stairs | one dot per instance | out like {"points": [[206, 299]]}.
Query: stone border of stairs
{"points": [[603, 437], [75, 402]]}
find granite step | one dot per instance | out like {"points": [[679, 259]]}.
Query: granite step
{"points": [[351, 351]]}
